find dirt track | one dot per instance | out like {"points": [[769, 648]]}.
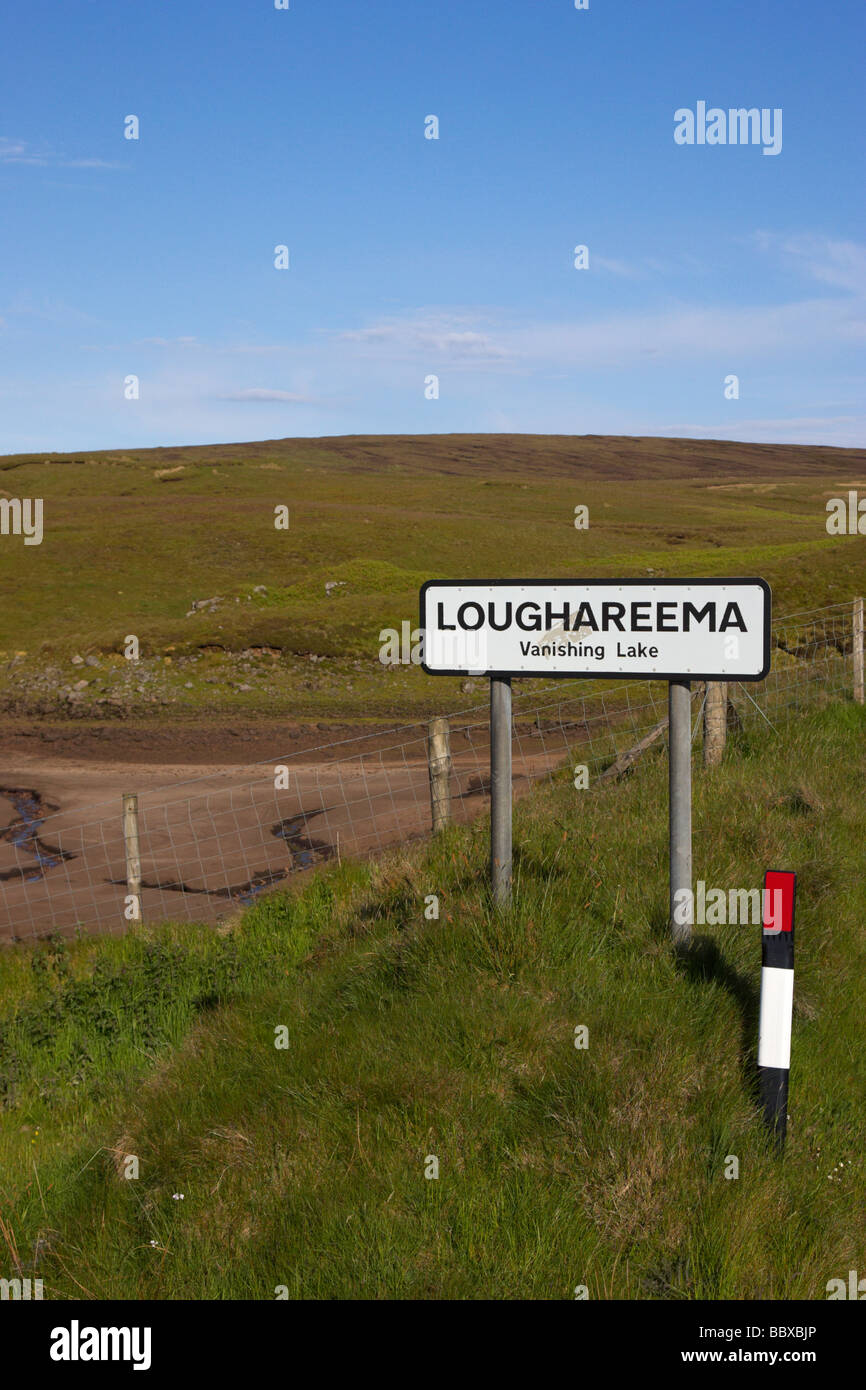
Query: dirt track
{"points": [[196, 742], [215, 833]]}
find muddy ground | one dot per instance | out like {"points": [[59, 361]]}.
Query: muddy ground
{"points": [[218, 824], [185, 741]]}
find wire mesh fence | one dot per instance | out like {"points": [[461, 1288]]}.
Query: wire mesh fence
{"points": [[210, 845]]}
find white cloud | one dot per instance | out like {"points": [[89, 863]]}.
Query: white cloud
{"points": [[444, 334], [689, 332], [168, 342], [839, 431], [22, 152], [834, 262], [682, 332], [629, 272], [264, 393], [257, 348], [14, 152]]}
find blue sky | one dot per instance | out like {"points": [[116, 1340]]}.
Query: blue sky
{"points": [[411, 257]]}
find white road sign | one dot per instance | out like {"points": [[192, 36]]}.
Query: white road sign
{"points": [[666, 629]]}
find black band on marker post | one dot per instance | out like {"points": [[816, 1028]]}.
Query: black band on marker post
{"points": [[777, 998]]}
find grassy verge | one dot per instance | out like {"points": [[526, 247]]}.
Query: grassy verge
{"points": [[410, 1038]]}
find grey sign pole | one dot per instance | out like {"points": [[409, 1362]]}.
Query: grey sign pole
{"points": [[479, 626], [500, 790], [680, 784]]}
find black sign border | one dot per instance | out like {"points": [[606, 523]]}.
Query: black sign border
{"points": [[605, 675]]}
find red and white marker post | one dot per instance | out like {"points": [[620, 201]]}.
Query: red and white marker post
{"points": [[777, 998]]}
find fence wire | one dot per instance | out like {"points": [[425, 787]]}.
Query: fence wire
{"points": [[219, 842]]}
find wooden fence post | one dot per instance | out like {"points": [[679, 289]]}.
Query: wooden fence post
{"points": [[858, 650], [715, 722], [439, 763], [133, 851]]}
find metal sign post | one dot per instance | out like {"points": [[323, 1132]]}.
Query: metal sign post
{"points": [[500, 790], [675, 630], [680, 810]]}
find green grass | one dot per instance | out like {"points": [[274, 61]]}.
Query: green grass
{"points": [[410, 1037], [130, 544]]}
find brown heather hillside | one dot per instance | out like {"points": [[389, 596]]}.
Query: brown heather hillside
{"points": [[612, 457], [238, 620]]}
